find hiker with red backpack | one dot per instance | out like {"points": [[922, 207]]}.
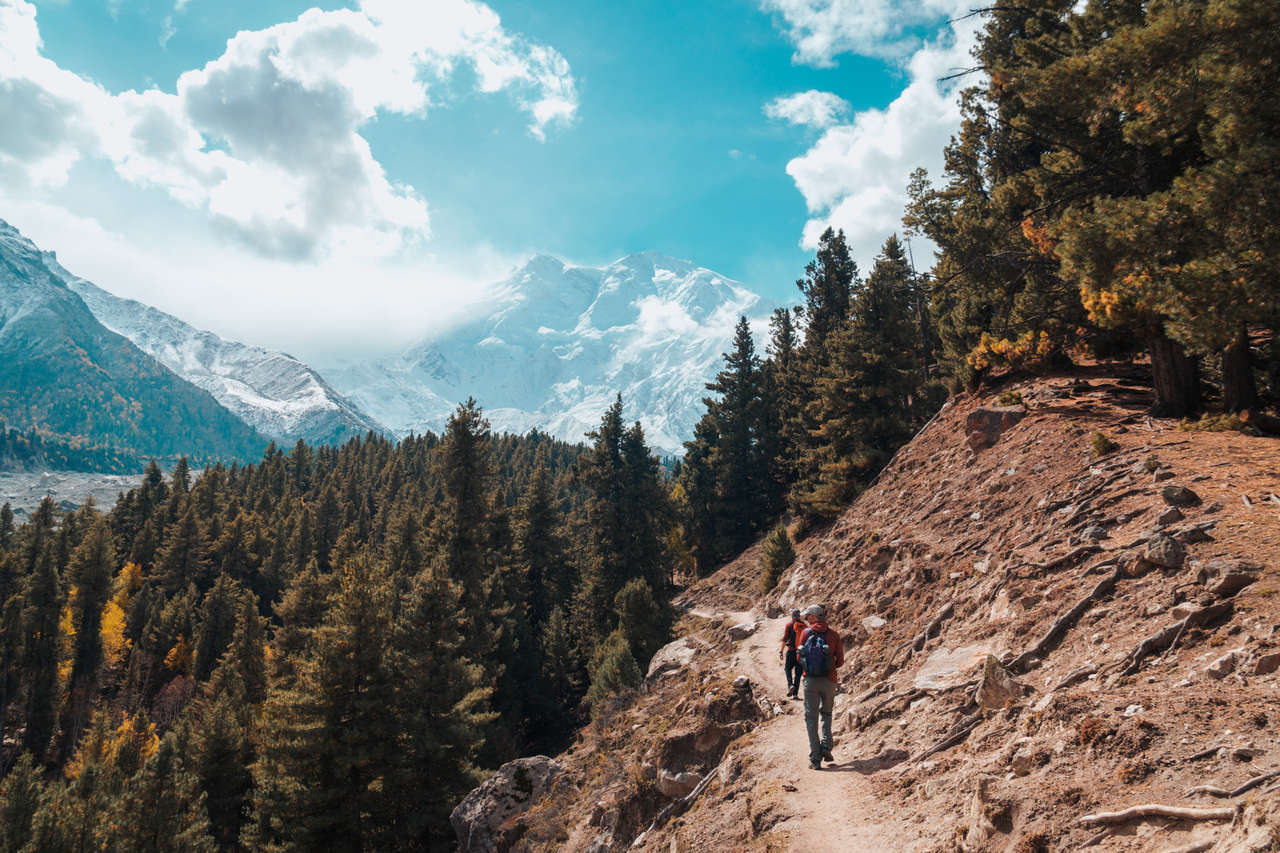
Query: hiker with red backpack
{"points": [[821, 653], [790, 643]]}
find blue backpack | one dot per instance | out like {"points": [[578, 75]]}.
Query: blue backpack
{"points": [[815, 655]]}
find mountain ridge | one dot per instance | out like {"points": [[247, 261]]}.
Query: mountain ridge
{"points": [[70, 377], [273, 392]]}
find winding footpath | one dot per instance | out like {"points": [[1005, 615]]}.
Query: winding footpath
{"points": [[835, 809]]}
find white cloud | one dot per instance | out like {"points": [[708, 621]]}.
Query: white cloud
{"points": [[855, 176], [266, 138], [811, 108], [824, 29], [322, 313]]}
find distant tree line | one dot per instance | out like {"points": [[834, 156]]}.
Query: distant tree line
{"points": [[21, 451]]}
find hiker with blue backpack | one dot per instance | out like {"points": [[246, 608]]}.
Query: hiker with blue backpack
{"points": [[821, 654]]}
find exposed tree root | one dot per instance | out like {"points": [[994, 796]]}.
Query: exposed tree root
{"points": [[958, 732], [1064, 622], [1157, 810], [1075, 677], [1206, 753], [1065, 560], [1163, 638], [874, 714], [1215, 791], [931, 630], [917, 642]]}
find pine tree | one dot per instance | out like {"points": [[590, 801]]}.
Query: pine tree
{"points": [[741, 467], [217, 625], [185, 558], [865, 394], [564, 675], [642, 620], [6, 526], [20, 793], [540, 552], [443, 714], [613, 670], [219, 754], [827, 288], [162, 809], [90, 573], [42, 606], [329, 729]]}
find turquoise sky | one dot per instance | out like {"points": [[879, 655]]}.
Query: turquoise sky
{"points": [[669, 149]]}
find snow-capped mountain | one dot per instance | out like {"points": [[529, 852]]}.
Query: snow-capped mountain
{"points": [[272, 392], [558, 342], [66, 375]]}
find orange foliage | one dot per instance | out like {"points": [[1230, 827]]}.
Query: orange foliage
{"points": [[115, 645], [1029, 350], [1037, 234], [180, 656], [124, 749]]}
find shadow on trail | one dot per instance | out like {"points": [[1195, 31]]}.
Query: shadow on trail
{"points": [[866, 766]]}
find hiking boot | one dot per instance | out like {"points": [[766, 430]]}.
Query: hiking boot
{"points": [[827, 756], [814, 764]]}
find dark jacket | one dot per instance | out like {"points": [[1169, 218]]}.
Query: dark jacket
{"points": [[791, 634]]}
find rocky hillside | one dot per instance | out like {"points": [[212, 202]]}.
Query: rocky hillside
{"points": [[1055, 610]]}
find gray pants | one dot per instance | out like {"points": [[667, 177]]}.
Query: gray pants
{"points": [[819, 697]]}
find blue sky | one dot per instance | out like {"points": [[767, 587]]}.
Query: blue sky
{"points": [[606, 128]]}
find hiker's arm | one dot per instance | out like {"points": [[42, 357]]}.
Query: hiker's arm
{"points": [[837, 651]]}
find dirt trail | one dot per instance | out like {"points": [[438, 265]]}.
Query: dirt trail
{"points": [[835, 809]]}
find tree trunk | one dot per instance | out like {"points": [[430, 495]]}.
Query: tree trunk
{"points": [[1176, 376], [1239, 392]]}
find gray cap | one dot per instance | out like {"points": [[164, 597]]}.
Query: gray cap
{"points": [[795, 614], [817, 610]]}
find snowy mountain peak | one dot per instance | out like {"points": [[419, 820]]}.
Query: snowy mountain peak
{"points": [[560, 341]]}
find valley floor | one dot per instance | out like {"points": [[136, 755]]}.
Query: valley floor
{"points": [[23, 490]]}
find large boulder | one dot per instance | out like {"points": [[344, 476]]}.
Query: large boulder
{"points": [[677, 785], [743, 630], [479, 819], [997, 686], [671, 658], [1231, 583], [983, 427], [1165, 551], [1179, 496]]}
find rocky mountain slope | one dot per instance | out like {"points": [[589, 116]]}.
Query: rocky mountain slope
{"points": [[1042, 632], [274, 393], [66, 374], [558, 342]]}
